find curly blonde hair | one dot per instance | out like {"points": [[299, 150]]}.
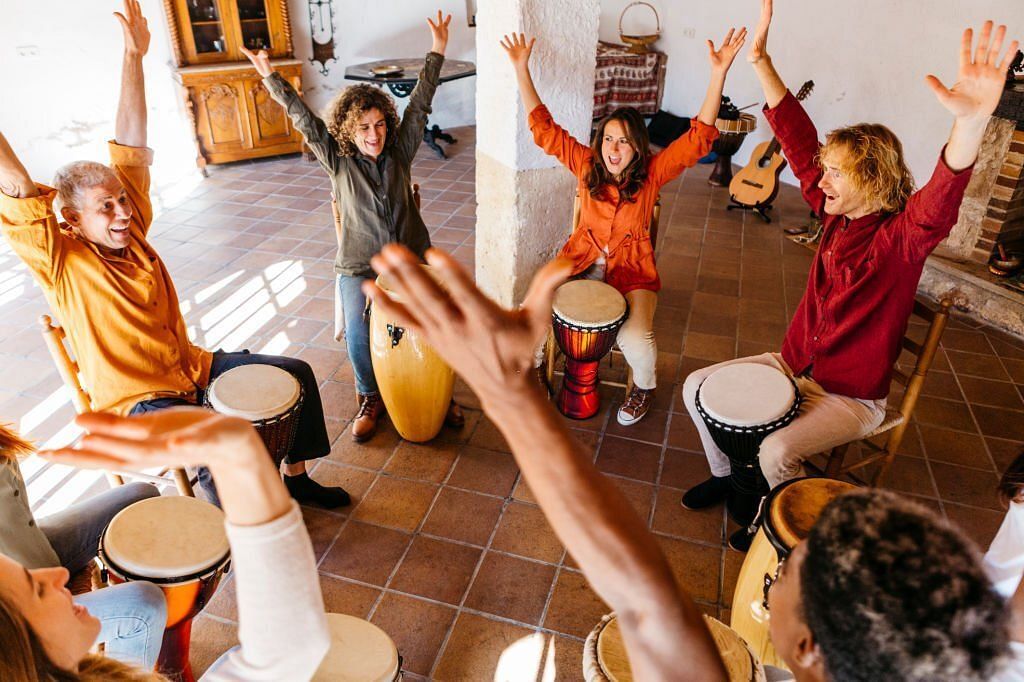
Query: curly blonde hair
{"points": [[349, 105], [872, 157]]}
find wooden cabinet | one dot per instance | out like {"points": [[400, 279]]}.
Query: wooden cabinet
{"points": [[233, 116]]}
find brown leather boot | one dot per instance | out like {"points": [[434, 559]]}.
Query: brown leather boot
{"points": [[635, 408], [371, 407]]}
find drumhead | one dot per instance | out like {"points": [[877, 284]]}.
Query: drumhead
{"points": [[589, 303], [740, 663], [745, 124], [166, 537], [360, 652], [254, 392], [747, 394], [794, 508], [384, 282]]}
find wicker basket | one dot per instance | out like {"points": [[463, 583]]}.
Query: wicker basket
{"points": [[639, 44]]}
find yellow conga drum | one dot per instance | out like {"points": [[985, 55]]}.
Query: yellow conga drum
{"points": [[788, 514], [605, 660], [415, 383]]}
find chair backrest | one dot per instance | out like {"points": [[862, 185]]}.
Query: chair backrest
{"points": [[68, 369], [652, 227], [337, 213], [924, 354]]}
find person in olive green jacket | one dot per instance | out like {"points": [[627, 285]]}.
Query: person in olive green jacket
{"points": [[367, 152]]}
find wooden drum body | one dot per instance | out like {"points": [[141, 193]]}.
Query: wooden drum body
{"points": [[741, 404], [605, 660], [586, 318], [789, 513], [265, 395], [360, 652], [179, 544], [415, 383], [730, 139]]}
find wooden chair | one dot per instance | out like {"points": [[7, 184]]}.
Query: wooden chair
{"points": [[896, 419], [551, 351], [68, 369]]}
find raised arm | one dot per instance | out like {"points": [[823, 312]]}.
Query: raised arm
{"points": [[130, 127], [14, 179], [492, 349], [976, 93], [519, 50], [771, 82], [414, 118], [310, 126], [282, 627], [721, 59]]}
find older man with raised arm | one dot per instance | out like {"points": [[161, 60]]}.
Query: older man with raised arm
{"points": [[111, 291]]}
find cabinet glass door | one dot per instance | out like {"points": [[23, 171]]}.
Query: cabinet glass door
{"points": [[207, 31], [252, 17]]}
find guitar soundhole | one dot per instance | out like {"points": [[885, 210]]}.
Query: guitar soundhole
{"points": [[763, 162]]}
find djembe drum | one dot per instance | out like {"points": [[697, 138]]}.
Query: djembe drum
{"points": [[179, 544], [586, 317], [360, 652], [742, 404], [415, 384], [730, 139], [605, 660], [267, 396], [788, 514]]}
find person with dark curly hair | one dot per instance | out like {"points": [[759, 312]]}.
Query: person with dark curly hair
{"points": [[883, 589], [618, 181], [367, 152]]}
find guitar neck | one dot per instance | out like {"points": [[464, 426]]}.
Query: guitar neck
{"points": [[772, 149]]}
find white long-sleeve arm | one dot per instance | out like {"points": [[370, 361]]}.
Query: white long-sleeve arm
{"points": [[282, 627]]}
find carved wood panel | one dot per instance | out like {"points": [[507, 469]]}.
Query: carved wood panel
{"points": [[269, 124], [224, 115]]}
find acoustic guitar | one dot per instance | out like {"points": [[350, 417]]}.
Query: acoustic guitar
{"points": [[758, 182]]}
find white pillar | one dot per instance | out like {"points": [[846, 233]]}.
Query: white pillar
{"points": [[524, 196]]}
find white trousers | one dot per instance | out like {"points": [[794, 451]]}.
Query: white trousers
{"points": [[825, 420]]}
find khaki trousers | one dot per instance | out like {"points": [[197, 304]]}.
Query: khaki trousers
{"points": [[825, 420]]}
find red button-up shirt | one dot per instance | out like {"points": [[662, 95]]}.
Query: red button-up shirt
{"points": [[860, 291]]}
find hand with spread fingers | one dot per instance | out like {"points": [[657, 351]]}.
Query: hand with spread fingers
{"points": [[490, 347], [260, 60], [439, 32], [722, 58], [135, 27], [518, 49], [981, 79]]}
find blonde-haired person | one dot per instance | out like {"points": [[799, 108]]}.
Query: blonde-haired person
{"points": [[131, 616], [367, 152], [282, 629], [845, 335]]}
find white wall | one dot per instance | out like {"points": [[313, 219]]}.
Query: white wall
{"points": [[382, 29], [868, 59], [61, 99]]}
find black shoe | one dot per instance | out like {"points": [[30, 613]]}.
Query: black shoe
{"points": [[741, 539], [742, 507], [707, 494], [305, 490]]}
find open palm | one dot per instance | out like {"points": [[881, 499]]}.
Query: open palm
{"points": [[722, 58], [981, 77]]}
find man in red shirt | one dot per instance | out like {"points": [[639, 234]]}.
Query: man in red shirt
{"points": [[845, 336]]}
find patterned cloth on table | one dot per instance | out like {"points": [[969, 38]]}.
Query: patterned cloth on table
{"points": [[626, 79]]}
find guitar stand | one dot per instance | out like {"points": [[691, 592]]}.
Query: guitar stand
{"points": [[761, 210]]}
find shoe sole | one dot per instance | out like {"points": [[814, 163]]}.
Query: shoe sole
{"points": [[630, 422], [363, 439]]}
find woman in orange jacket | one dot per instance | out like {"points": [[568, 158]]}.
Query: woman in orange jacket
{"points": [[618, 180]]}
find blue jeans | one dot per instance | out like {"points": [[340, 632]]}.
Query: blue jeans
{"points": [[75, 532], [132, 620], [357, 332], [132, 616]]}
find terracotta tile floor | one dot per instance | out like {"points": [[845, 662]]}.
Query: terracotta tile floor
{"points": [[443, 546]]}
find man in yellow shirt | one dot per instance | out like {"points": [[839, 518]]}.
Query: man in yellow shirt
{"points": [[112, 292]]}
